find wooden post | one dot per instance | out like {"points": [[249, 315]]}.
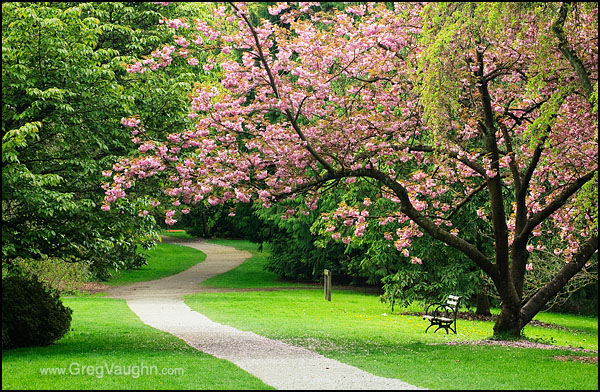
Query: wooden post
{"points": [[327, 284]]}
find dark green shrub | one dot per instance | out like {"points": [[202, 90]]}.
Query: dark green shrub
{"points": [[31, 314], [295, 257]]}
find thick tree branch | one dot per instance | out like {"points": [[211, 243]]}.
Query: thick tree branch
{"points": [[512, 164], [524, 185], [261, 55], [494, 183], [453, 154], [541, 297], [290, 116], [427, 224], [570, 55], [408, 209]]}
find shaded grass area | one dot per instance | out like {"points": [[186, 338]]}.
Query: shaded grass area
{"points": [[587, 324], [251, 273], [163, 260], [357, 329], [106, 337], [578, 332]]}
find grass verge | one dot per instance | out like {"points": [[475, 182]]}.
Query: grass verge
{"points": [[106, 337], [177, 234], [251, 273], [163, 260]]}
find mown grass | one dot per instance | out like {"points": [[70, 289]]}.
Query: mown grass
{"points": [[163, 260], [177, 234], [251, 274], [358, 329], [105, 335], [354, 328]]}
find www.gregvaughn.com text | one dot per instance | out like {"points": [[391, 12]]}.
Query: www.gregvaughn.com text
{"points": [[111, 369]]}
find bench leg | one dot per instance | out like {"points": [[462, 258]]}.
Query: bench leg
{"points": [[445, 326], [442, 326]]}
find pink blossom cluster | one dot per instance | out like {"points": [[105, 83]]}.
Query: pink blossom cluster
{"points": [[131, 122]]}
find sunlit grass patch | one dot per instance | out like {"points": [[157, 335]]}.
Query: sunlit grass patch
{"points": [[251, 273], [354, 328], [108, 347], [163, 260], [357, 329]]}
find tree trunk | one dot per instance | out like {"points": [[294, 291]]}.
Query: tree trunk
{"points": [[508, 324], [204, 224], [483, 304]]}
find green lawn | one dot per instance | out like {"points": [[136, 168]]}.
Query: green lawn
{"points": [[354, 328], [359, 330], [163, 260], [107, 336], [177, 234], [250, 274]]}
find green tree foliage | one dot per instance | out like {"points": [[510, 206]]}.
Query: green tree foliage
{"points": [[224, 221], [64, 90], [294, 252], [377, 260]]}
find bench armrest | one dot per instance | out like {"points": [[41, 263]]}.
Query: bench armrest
{"points": [[436, 305]]}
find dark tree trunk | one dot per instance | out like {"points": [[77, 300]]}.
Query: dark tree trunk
{"points": [[482, 304], [508, 324], [204, 224]]}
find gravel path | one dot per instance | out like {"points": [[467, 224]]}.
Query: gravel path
{"points": [[159, 304]]}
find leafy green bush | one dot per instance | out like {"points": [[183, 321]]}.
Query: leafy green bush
{"points": [[31, 314], [295, 257], [56, 273]]}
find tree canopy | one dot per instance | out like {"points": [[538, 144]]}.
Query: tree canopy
{"points": [[483, 111], [64, 90]]}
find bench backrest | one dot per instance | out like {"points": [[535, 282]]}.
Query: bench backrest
{"points": [[452, 302]]}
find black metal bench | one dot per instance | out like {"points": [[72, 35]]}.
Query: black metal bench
{"points": [[443, 315]]}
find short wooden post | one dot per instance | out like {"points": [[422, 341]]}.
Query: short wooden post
{"points": [[327, 284]]}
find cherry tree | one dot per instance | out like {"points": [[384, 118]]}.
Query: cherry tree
{"points": [[434, 104]]}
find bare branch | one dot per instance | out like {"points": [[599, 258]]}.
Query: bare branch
{"points": [[554, 206]]}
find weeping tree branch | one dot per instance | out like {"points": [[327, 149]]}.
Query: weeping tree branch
{"points": [[570, 55]]}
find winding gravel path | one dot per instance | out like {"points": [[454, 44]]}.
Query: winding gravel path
{"points": [[159, 304]]}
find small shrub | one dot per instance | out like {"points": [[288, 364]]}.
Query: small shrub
{"points": [[55, 273], [32, 315]]}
